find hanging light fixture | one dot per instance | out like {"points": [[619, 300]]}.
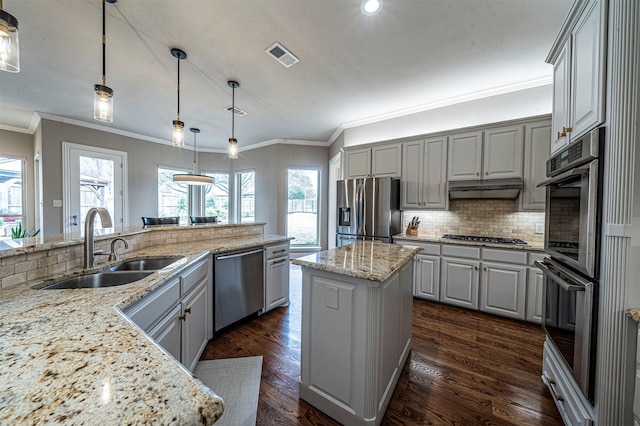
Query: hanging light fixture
{"points": [[178, 126], [233, 143], [9, 47], [103, 95], [193, 178]]}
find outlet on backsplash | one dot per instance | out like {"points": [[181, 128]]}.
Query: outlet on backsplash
{"points": [[539, 228]]}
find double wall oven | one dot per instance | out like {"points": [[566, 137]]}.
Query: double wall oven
{"points": [[572, 245]]}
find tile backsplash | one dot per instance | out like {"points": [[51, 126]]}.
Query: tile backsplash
{"points": [[486, 218]]}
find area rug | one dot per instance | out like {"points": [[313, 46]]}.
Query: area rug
{"points": [[237, 381]]}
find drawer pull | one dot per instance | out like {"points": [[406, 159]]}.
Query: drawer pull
{"points": [[280, 251], [182, 317], [279, 262], [554, 392], [187, 311]]}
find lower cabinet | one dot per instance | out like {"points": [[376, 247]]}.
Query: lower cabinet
{"points": [[178, 315], [276, 291], [502, 289], [460, 282], [427, 277], [535, 286]]}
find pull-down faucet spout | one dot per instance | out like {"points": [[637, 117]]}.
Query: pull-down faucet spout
{"points": [[105, 218]]}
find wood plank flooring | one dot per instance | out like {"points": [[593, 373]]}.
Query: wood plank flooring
{"points": [[465, 368]]}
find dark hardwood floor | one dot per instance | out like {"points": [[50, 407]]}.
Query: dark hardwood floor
{"points": [[465, 368]]}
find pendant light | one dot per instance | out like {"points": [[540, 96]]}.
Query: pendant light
{"points": [[178, 126], [233, 143], [193, 178], [9, 47], [103, 95]]}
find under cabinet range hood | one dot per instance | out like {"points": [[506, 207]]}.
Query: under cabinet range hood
{"points": [[490, 188]]}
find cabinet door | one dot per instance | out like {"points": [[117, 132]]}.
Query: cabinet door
{"points": [[413, 159], [276, 283], [502, 156], [194, 326], [503, 289], [406, 311], [534, 295], [386, 161], [427, 277], [435, 174], [560, 117], [587, 71], [537, 139], [460, 282], [465, 156], [167, 333], [357, 163]]}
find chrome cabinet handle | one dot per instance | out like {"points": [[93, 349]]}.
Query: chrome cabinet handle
{"points": [[554, 392]]}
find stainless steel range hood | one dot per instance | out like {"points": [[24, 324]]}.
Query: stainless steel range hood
{"points": [[491, 188]]}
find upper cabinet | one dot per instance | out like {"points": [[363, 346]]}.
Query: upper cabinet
{"points": [[537, 139], [424, 174], [378, 161], [578, 58], [495, 153]]}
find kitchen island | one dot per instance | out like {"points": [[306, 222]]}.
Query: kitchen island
{"points": [[73, 357], [357, 305]]}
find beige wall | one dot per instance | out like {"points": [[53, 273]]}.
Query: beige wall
{"points": [[20, 145]]}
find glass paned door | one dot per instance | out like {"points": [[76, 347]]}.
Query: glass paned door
{"points": [[11, 197], [95, 178]]}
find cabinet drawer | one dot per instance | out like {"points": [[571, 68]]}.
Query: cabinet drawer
{"points": [[507, 256], [151, 308], [427, 248], [278, 250], [193, 276], [460, 251]]}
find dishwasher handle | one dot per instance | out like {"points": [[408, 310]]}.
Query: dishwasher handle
{"points": [[244, 253]]}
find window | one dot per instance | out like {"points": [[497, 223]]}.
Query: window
{"points": [[11, 196], [173, 198], [216, 197], [245, 184], [302, 206]]}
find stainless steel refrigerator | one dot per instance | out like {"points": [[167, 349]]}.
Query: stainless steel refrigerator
{"points": [[368, 209]]}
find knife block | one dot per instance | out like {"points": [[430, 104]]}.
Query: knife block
{"points": [[411, 231]]}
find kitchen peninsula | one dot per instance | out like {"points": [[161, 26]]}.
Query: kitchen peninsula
{"points": [[356, 328], [72, 356]]}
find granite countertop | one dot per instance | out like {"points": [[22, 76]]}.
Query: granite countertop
{"points": [[634, 314], [369, 260], [71, 356], [436, 239]]}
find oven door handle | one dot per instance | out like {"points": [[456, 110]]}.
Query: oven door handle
{"points": [[561, 178], [561, 282]]}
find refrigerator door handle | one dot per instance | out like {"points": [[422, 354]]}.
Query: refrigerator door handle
{"points": [[360, 209]]}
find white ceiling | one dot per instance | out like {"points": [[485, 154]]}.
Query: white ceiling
{"points": [[352, 67]]}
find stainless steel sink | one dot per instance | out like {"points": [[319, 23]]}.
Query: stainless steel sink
{"points": [[99, 280], [151, 264]]}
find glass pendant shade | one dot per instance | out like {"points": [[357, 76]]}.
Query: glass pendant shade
{"points": [[193, 178], [103, 103], [178, 133], [9, 46], [233, 148]]}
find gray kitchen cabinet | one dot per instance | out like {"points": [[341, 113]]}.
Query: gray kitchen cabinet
{"points": [[495, 153], [535, 285], [460, 275], [276, 290], [427, 277], [424, 174], [376, 161], [579, 57], [178, 314], [503, 282], [537, 140]]}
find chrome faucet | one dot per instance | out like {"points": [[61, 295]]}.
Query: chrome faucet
{"points": [[114, 255], [105, 218]]}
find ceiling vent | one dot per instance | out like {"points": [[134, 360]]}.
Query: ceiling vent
{"points": [[282, 55], [239, 112]]}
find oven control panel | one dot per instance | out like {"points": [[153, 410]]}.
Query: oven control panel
{"points": [[579, 152]]}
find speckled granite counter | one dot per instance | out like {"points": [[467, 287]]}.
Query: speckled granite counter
{"points": [[634, 314], [368, 260], [435, 239], [71, 357]]}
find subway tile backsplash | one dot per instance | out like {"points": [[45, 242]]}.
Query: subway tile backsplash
{"points": [[485, 218]]}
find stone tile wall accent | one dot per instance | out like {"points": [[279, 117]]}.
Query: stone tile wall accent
{"points": [[18, 269], [484, 218]]}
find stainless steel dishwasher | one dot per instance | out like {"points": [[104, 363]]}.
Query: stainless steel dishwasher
{"points": [[238, 286]]}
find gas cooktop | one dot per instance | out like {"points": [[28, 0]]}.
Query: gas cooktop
{"points": [[495, 240]]}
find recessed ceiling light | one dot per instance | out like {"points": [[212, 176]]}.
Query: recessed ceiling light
{"points": [[371, 7]]}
